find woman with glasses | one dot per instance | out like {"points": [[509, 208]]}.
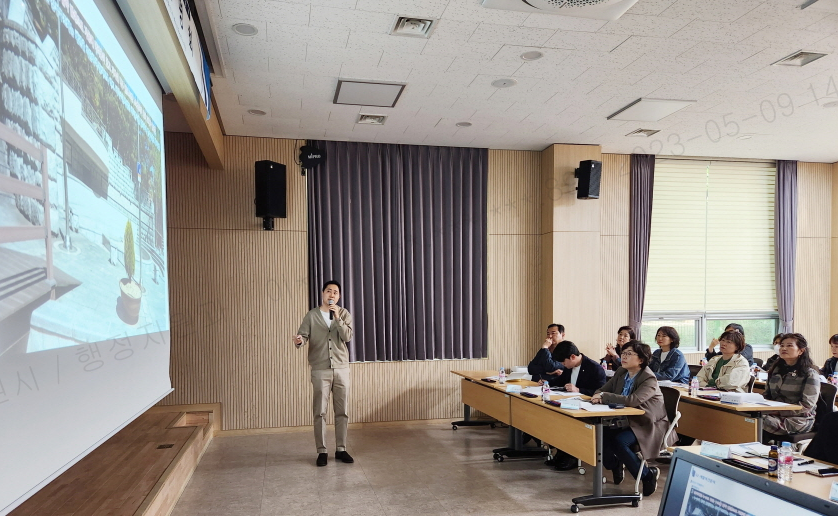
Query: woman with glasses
{"points": [[634, 385], [829, 367], [792, 379], [612, 353], [730, 370], [668, 363]]}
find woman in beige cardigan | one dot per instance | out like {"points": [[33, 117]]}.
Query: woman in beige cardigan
{"points": [[728, 371]]}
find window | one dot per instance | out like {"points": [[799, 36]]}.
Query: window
{"points": [[711, 252]]}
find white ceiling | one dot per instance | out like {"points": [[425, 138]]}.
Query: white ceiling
{"points": [[718, 52]]}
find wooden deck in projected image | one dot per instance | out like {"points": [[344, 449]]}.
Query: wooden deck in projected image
{"points": [[24, 287]]}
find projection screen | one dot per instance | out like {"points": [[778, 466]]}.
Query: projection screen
{"points": [[84, 305]]}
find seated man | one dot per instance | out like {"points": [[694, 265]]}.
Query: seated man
{"points": [[545, 366], [581, 374]]}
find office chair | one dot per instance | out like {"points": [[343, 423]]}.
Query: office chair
{"points": [[751, 384]]}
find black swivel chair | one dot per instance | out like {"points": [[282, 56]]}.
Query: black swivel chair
{"points": [[694, 369]]}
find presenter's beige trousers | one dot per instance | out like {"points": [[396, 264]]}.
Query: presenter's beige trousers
{"points": [[326, 382]]}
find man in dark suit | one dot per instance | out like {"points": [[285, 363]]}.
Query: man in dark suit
{"points": [[581, 374], [544, 365]]}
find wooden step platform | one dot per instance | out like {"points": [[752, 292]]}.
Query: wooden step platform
{"points": [[140, 471]]}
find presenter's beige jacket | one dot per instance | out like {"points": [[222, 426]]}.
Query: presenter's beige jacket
{"points": [[327, 344]]}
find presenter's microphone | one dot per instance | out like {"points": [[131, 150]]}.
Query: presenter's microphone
{"points": [[331, 313]]}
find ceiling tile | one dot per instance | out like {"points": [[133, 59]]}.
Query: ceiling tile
{"points": [[351, 19], [585, 41], [419, 8], [271, 11], [557, 22], [637, 25], [713, 10], [505, 34], [471, 10]]}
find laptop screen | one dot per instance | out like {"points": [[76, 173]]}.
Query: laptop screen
{"points": [[693, 490]]}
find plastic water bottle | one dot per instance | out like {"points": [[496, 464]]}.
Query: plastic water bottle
{"points": [[785, 461], [604, 365], [502, 375], [694, 386], [834, 379], [545, 391], [702, 362]]}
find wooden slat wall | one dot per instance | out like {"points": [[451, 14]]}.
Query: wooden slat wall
{"points": [[238, 293], [833, 297], [814, 249], [614, 245]]}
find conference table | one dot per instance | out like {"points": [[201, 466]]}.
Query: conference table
{"points": [[723, 423], [811, 484], [576, 432]]}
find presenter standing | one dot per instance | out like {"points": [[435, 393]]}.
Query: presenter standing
{"points": [[326, 329]]}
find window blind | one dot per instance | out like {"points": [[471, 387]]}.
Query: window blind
{"points": [[712, 239]]}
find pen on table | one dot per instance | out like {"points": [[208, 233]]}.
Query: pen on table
{"points": [[805, 462]]}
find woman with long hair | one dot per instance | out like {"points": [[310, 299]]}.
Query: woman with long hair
{"points": [[612, 353], [792, 379]]}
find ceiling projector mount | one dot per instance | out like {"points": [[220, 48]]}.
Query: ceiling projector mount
{"points": [[597, 9]]}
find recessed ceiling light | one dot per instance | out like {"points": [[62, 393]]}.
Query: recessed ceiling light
{"points": [[368, 93], [831, 104], [245, 29], [463, 124], [644, 132], [257, 112], [532, 55], [504, 83], [799, 58], [649, 110]]}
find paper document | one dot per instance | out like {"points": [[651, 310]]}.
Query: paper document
{"points": [[590, 407], [750, 450], [669, 383], [800, 468], [564, 393], [770, 403]]}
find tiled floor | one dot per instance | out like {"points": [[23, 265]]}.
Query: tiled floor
{"points": [[400, 470]]}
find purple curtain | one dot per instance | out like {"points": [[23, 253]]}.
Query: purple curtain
{"points": [[785, 241], [640, 228], [403, 229]]}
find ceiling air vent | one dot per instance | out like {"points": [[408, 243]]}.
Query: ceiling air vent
{"points": [[643, 132], [412, 27], [371, 119], [800, 58], [596, 9]]}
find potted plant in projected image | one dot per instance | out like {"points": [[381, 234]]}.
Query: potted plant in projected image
{"points": [[131, 291]]}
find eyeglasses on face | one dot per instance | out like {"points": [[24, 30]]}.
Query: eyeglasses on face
{"points": [[627, 354]]}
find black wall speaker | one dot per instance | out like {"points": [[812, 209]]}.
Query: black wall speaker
{"points": [[589, 174], [270, 191]]}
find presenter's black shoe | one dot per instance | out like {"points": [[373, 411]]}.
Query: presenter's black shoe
{"points": [[322, 459], [619, 473], [650, 481], [344, 457]]}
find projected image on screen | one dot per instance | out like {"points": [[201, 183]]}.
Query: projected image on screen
{"points": [[82, 213]]}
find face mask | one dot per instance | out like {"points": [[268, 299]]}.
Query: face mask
{"points": [[776, 349]]}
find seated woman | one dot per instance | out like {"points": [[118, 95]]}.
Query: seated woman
{"points": [[830, 366], [728, 371], [668, 363], [776, 356], [635, 385], [612, 353], [748, 352], [792, 379]]}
